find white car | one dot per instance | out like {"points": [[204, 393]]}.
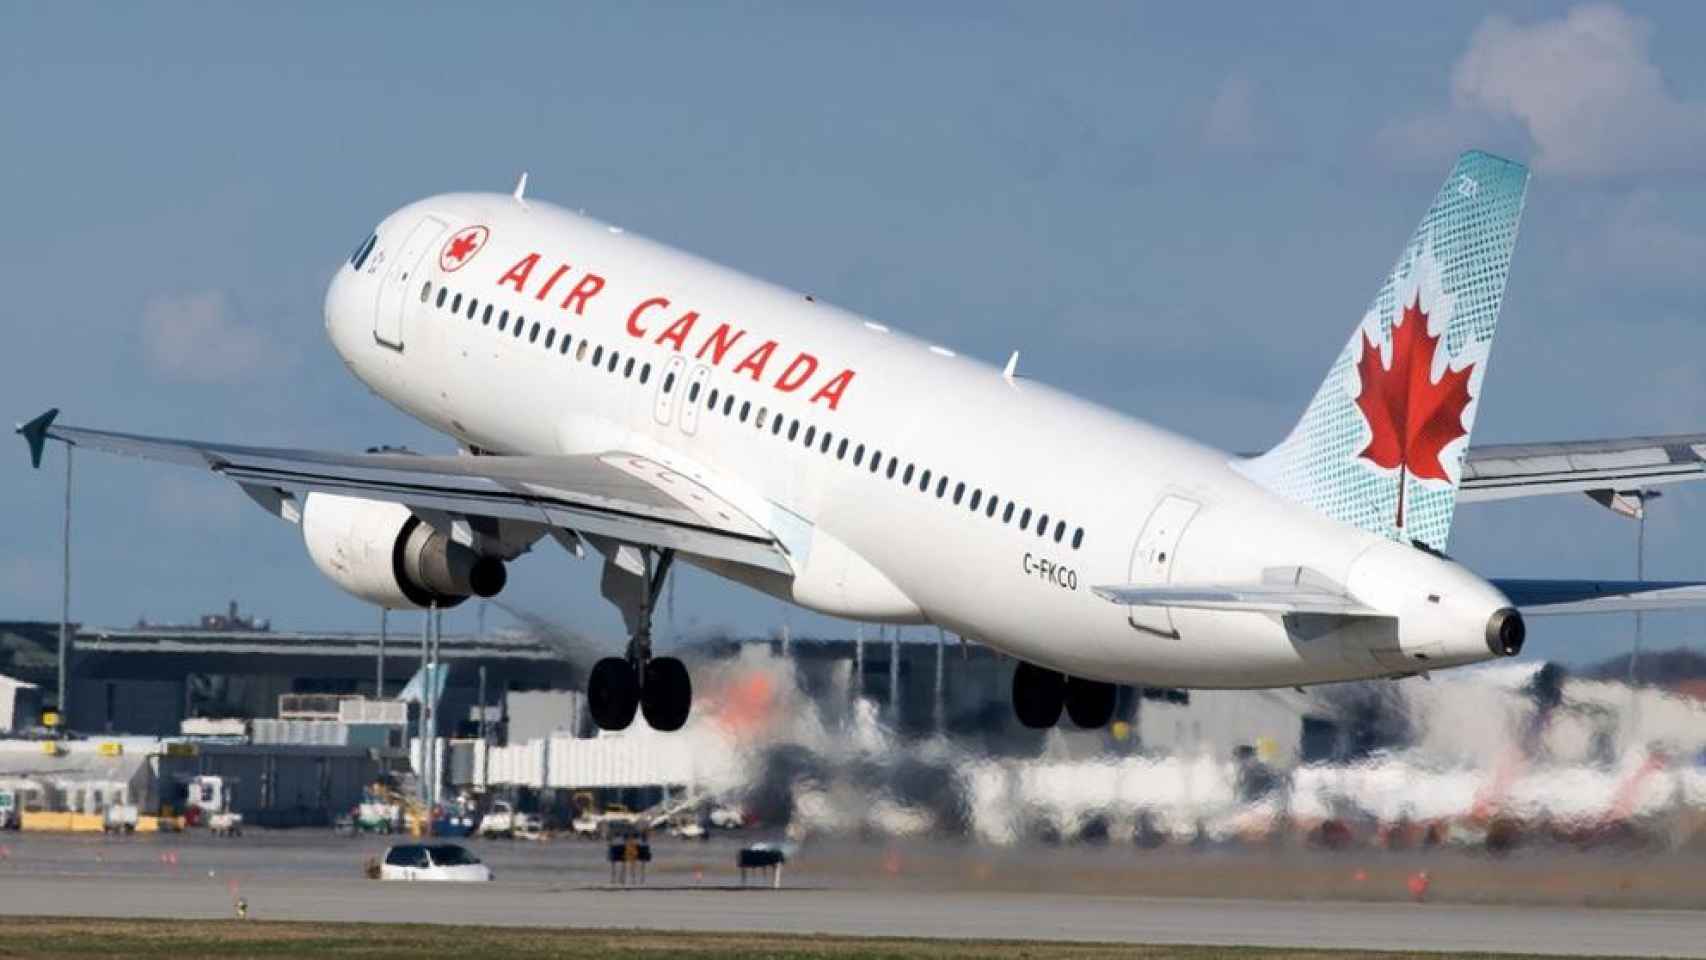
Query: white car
{"points": [[433, 861]]}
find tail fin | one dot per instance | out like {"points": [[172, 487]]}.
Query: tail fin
{"points": [[1381, 445]]}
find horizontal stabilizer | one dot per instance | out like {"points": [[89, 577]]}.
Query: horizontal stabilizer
{"points": [[1508, 471], [1258, 597], [1602, 596]]}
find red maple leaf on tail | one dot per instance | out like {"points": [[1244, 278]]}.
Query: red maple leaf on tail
{"points": [[1411, 418]]}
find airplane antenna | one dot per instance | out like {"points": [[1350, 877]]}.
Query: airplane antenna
{"points": [[1012, 367], [521, 189]]}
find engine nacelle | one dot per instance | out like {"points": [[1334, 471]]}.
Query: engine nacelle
{"points": [[384, 554]]}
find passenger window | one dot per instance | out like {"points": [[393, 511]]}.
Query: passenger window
{"points": [[645, 372], [941, 486], [550, 338], [924, 482], [614, 359], [711, 401], [728, 404], [976, 498], [1007, 514], [456, 304], [893, 462], [859, 455], [503, 320], [811, 435], [533, 335], [906, 477], [993, 502], [598, 360], [841, 451], [745, 408], [563, 346], [1059, 530], [827, 437], [442, 293], [580, 352], [668, 379], [763, 412], [520, 322], [793, 431], [693, 393], [473, 307], [1025, 519], [959, 491], [876, 460], [628, 370], [1042, 525], [486, 318], [1077, 538], [426, 291]]}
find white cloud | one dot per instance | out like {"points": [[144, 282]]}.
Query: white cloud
{"points": [[1584, 89], [1231, 121], [197, 338]]}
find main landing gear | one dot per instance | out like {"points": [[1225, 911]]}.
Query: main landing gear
{"points": [[1039, 694], [657, 687]]}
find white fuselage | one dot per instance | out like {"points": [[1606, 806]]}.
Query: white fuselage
{"points": [[1152, 507]]}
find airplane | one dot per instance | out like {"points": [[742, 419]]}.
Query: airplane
{"points": [[621, 397]]}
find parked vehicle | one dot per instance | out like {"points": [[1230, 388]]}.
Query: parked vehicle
{"points": [[499, 821], [433, 861], [210, 802], [119, 818], [11, 817]]}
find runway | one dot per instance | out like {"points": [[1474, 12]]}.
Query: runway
{"points": [[563, 886]]}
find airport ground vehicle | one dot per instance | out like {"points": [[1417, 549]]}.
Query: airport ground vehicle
{"points": [[209, 803], [11, 817], [119, 818], [433, 861]]}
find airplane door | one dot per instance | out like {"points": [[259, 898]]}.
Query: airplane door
{"points": [[695, 397], [1152, 559], [669, 385], [403, 276]]}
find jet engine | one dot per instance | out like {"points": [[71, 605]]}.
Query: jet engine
{"points": [[384, 554]]}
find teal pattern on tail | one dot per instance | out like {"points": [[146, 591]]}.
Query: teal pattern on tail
{"points": [[1381, 446]]}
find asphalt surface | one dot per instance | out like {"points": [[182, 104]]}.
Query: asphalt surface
{"points": [[312, 876]]}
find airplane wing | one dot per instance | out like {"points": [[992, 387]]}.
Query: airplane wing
{"points": [[1541, 597], [619, 495], [1257, 597], [1508, 471]]}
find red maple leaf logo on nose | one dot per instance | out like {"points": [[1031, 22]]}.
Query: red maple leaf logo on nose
{"points": [[461, 246], [1410, 417]]}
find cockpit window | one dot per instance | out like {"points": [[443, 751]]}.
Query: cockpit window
{"points": [[359, 257]]}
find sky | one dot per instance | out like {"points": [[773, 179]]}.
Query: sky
{"points": [[1177, 210]]}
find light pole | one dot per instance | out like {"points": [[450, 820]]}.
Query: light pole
{"points": [[1641, 497], [379, 667], [64, 706]]}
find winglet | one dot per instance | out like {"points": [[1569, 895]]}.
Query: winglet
{"points": [[1012, 367], [521, 189], [35, 434]]}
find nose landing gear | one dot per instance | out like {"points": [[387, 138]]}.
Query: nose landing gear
{"points": [[659, 687]]}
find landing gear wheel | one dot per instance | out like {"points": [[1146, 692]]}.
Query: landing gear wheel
{"points": [[612, 694], [1037, 695], [1090, 703], [667, 695]]}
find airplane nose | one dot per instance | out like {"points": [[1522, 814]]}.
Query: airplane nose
{"points": [[1505, 632]]}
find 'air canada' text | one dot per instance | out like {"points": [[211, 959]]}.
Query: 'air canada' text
{"points": [[685, 332]]}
